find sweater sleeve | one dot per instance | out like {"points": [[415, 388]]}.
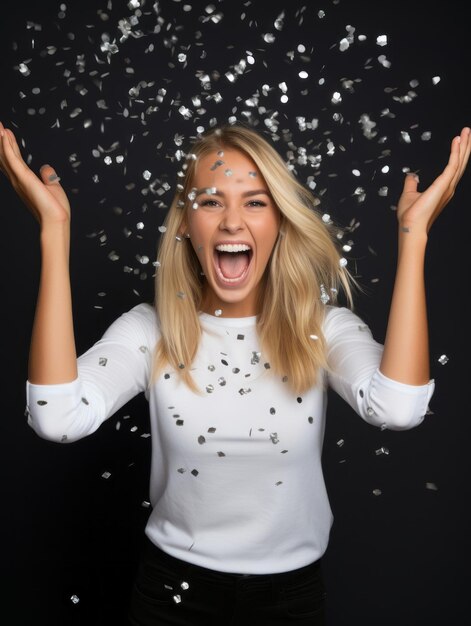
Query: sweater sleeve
{"points": [[354, 358], [110, 373]]}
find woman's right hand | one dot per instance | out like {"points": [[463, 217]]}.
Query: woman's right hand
{"points": [[43, 195]]}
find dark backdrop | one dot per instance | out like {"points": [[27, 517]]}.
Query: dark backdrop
{"points": [[103, 104]]}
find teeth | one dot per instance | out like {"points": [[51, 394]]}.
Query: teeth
{"points": [[232, 247]]}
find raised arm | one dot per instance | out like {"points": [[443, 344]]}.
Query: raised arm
{"points": [[406, 354], [53, 357]]}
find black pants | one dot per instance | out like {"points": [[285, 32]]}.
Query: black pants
{"points": [[171, 592]]}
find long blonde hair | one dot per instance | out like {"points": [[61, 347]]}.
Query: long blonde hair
{"points": [[304, 271]]}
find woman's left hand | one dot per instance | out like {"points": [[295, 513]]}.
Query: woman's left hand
{"points": [[418, 210]]}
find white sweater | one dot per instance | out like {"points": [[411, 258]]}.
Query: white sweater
{"points": [[236, 481]]}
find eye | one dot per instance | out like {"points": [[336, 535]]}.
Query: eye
{"points": [[256, 203], [209, 203]]}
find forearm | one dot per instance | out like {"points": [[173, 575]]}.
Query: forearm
{"points": [[53, 357], [406, 352]]}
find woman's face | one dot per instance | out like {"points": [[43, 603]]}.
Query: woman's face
{"points": [[233, 230]]}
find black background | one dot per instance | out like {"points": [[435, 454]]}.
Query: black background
{"points": [[395, 559]]}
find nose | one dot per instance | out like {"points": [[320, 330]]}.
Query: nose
{"points": [[232, 220]]}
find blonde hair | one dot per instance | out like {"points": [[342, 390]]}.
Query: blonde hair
{"points": [[304, 270]]}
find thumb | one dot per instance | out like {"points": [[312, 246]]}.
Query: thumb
{"points": [[410, 183], [48, 174]]}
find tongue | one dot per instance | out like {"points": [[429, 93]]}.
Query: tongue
{"points": [[232, 264]]}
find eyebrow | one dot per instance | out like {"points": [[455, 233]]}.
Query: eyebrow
{"points": [[246, 194]]}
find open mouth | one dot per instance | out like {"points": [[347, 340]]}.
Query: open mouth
{"points": [[232, 261]]}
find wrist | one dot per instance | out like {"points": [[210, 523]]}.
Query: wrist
{"points": [[55, 236], [55, 229], [412, 235]]}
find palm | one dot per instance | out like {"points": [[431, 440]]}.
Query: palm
{"points": [[45, 198], [422, 208]]}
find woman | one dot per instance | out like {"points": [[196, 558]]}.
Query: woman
{"points": [[235, 359]]}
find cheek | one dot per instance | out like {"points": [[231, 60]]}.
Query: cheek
{"points": [[195, 231], [198, 247], [202, 225], [269, 235], [199, 237]]}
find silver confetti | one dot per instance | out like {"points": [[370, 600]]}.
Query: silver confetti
{"points": [[325, 298], [255, 358]]}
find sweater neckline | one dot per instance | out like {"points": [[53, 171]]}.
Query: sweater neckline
{"points": [[233, 322]]}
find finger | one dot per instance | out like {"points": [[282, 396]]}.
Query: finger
{"points": [[49, 175], [2, 135], [11, 153], [460, 146], [52, 181], [4, 143], [12, 159], [452, 167], [410, 183], [12, 139], [465, 149], [443, 187], [6, 132]]}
